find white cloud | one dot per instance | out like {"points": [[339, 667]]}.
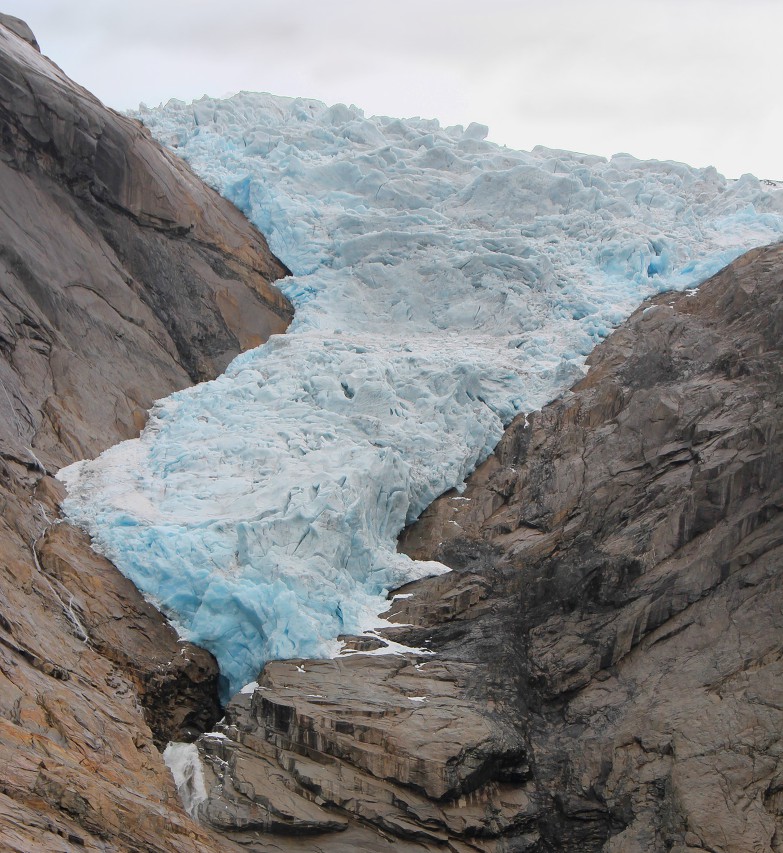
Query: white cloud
{"points": [[689, 80]]}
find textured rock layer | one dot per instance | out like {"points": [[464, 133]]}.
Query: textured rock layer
{"points": [[122, 278], [637, 525]]}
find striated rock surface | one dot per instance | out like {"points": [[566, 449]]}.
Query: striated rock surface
{"points": [[122, 278], [388, 743], [607, 656]]}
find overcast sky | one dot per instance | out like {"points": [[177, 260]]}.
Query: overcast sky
{"points": [[691, 80]]}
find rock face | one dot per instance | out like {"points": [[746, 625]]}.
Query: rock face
{"points": [[386, 751], [19, 28], [637, 524], [122, 278], [607, 667]]}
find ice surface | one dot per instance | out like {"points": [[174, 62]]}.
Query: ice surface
{"points": [[442, 284]]}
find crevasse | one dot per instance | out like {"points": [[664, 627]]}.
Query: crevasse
{"points": [[442, 284]]}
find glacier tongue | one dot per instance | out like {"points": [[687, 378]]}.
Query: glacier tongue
{"points": [[442, 284]]}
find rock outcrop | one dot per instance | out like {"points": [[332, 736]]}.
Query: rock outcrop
{"points": [[122, 279], [19, 28], [602, 669], [637, 524]]}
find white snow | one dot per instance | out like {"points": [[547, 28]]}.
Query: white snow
{"points": [[442, 285], [388, 647]]}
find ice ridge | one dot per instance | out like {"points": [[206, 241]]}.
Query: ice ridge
{"points": [[442, 284]]}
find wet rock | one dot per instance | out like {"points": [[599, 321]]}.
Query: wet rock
{"points": [[176, 682]]}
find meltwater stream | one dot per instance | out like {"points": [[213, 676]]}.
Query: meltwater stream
{"points": [[442, 284]]}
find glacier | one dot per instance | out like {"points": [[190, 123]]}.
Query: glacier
{"points": [[442, 285]]}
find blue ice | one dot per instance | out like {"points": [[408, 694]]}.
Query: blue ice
{"points": [[442, 285]]}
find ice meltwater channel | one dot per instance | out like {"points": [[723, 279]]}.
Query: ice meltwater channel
{"points": [[442, 284]]}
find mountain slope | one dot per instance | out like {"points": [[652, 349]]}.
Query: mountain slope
{"points": [[607, 648], [123, 279], [637, 522]]}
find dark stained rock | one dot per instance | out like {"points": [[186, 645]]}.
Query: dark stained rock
{"points": [[176, 682], [122, 279], [609, 647]]}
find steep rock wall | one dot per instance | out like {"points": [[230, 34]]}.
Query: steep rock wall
{"points": [[122, 279], [636, 525]]}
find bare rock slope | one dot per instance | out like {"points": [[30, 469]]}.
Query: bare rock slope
{"points": [[609, 647], [637, 526], [122, 278]]}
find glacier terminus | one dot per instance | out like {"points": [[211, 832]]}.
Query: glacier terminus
{"points": [[442, 285]]}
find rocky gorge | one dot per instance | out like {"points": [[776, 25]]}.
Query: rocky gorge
{"points": [[607, 648], [602, 665]]}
